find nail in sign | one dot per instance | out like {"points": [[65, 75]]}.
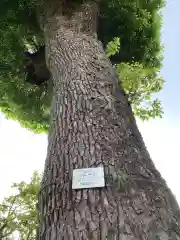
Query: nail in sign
{"points": [[88, 178]]}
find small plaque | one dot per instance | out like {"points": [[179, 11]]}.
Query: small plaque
{"points": [[88, 178]]}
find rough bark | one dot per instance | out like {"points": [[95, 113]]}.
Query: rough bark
{"points": [[91, 125]]}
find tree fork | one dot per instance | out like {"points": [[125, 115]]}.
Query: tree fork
{"points": [[91, 125]]}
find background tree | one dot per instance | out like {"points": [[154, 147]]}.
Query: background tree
{"points": [[91, 120], [18, 213]]}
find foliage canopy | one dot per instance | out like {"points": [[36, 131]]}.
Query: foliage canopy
{"points": [[138, 60], [18, 213]]}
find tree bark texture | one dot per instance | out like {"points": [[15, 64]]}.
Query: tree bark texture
{"points": [[91, 125]]}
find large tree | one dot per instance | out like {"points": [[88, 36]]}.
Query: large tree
{"points": [[91, 119]]}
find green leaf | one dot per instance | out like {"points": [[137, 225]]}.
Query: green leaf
{"points": [[113, 47], [140, 84]]}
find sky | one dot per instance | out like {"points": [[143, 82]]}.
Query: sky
{"points": [[22, 152]]}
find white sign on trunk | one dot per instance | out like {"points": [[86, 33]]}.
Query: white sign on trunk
{"points": [[88, 178]]}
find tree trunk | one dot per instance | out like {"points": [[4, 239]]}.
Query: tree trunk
{"points": [[91, 125]]}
